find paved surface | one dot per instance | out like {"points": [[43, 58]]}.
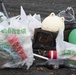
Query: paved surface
{"points": [[36, 71], [43, 7]]}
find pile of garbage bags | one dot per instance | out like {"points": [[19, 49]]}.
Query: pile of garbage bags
{"points": [[57, 37], [22, 35]]}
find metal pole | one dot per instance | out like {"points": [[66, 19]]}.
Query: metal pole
{"points": [[39, 56], [6, 14]]}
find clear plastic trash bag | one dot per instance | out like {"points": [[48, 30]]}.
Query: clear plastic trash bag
{"points": [[64, 49], [15, 43], [69, 15]]}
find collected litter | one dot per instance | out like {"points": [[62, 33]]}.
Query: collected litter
{"points": [[65, 49], [22, 34], [15, 42]]}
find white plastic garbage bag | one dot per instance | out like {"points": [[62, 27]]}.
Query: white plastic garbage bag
{"points": [[64, 49], [2, 17], [15, 43], [32, 21]]}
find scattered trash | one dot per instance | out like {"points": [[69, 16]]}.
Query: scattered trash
{"points": [[52, 54], [70, 63], [2, 17], [44, 39], [52, 64], [42, 57], [72, 36], [40, 69]]}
